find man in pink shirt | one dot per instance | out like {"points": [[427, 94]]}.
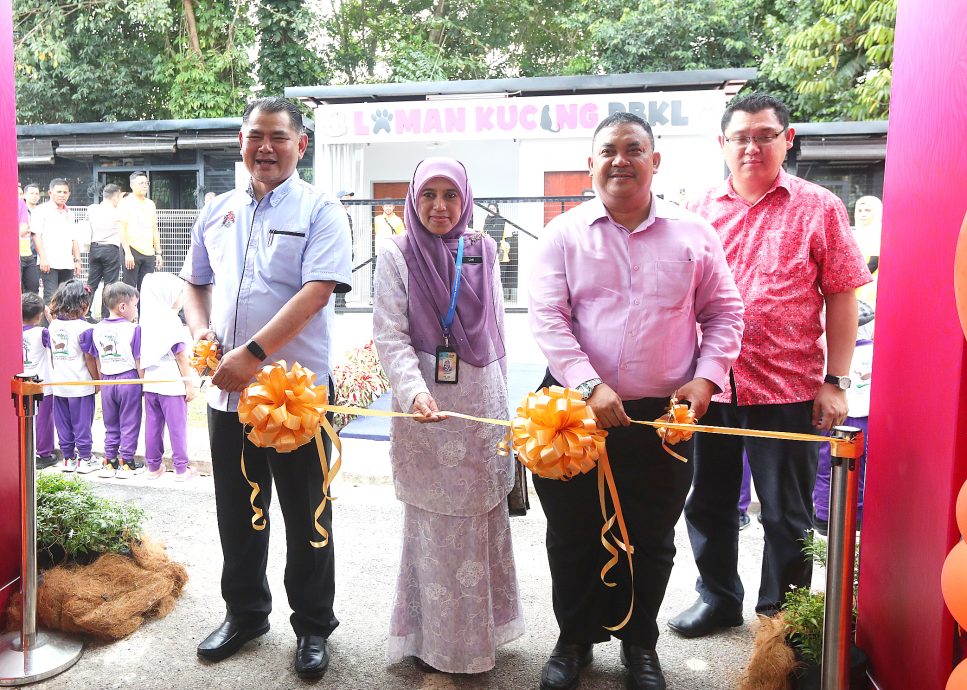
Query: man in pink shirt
{"points": [[792, 253], [617, 292]]}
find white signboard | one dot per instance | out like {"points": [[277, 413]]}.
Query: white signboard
{"points": [[537, 117]]}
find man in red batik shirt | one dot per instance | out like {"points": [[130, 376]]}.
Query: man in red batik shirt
{"points": [[791, 251]]}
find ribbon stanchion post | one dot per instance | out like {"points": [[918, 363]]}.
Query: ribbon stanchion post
{"points": [[28, 656], [846, 447]]}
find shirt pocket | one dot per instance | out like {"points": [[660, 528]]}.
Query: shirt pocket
{"points": [[674, 283]]}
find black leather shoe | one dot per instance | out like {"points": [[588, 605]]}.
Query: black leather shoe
{"points": [[311, 656], [562, 670], [644, 671], [700, 619], [228, 638]]}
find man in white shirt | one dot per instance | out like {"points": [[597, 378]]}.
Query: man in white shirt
{"points": [[104, 259], [55, 237]]}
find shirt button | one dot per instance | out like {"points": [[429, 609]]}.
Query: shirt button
{"points": [[636, 302], [636, 268]]}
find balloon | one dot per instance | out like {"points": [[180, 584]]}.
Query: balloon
{"points": [[960, 276], [962, 510], [953, 583], [958, 679]]}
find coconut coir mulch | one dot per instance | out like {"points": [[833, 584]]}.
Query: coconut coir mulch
{"points": [[772, 659], [110, 598]]}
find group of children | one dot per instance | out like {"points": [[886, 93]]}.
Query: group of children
{"points": [[71, 351]]}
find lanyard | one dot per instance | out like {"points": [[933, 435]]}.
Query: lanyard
{"points": [[447, 320]]}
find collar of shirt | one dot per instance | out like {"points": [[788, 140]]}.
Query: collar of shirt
{"points": [[275, 196], [595, 211], [725, 189]]}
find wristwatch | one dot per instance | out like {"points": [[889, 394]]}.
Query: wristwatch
{"points": [[255, 349], [586, 388], [841, 382]]}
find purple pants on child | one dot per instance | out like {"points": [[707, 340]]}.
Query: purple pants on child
{"points": [[73, 418], [161, 410], [121, 407], [44, 426], [745, 492], [823, 470]]}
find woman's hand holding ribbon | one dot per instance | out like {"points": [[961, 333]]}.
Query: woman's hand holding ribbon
{"points": [[425, 406]]}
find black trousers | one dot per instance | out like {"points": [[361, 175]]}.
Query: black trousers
{"points": [[652, 486], [53, 279], [104, 263], [29, 274], [143, 265], [784, 473], [309, 572]]}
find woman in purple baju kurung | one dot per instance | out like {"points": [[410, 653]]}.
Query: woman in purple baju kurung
{"points": [[457, 597]]}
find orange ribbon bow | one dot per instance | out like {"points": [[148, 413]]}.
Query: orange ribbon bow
{"points": [[677, 414], [556, 435], [286, 411], [205, 357]]}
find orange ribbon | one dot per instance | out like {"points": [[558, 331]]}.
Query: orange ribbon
{"points": [[556, 435], [677, 414], [285, 410], [205, 357]]}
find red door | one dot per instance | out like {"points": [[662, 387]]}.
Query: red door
{"points": [[564, 183]]}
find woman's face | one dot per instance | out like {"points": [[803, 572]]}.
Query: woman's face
{"points": [[866, 213], [439, 205]]}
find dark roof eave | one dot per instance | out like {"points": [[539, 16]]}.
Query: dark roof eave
{"points": [[524, 86], [819, 129], [138, 126]]}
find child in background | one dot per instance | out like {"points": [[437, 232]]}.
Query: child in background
{"points": [[164, 356], [36, 344], [117, 347], [70, 341]]}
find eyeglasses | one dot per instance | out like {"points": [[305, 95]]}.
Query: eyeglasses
{"points": [[759, 139]]}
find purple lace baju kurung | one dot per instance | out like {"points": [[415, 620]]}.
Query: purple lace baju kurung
{"points": [[457, 597]]}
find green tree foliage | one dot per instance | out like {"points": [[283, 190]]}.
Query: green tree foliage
{"points": [[413, 40], [835, 57], [285, 57], [657, 35], [130, 59]]}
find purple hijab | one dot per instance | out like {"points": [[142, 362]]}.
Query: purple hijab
{"points": [[432, 268]]}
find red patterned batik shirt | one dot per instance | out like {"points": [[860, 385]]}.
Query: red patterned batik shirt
{"points": [[786, 251]]}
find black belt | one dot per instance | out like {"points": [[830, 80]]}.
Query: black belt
{"points": [[105, 244]]}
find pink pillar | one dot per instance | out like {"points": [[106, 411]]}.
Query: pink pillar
{"points": [[11, 354], [918, 444]]}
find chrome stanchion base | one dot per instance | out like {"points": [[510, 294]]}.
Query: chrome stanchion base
{"points": [[51, 653]]}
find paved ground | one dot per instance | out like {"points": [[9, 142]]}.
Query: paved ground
{"points": [[367, 524], [161, 655]]}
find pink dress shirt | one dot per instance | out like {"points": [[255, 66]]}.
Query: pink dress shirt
{"points": [[786, 251], [623, 306]]}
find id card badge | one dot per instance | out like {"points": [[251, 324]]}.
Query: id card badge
{"points": [[447, 365]]}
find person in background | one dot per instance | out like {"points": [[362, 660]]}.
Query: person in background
{"points": [[140, 241], [29, 271], [387, 224], [164, 356], [55, 236], [36, 351], [457, 597], [70, 342], [116, 347], [104, 258]]}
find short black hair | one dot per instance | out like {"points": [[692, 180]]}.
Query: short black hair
{"points": [[117, 292], [31, 306], [136, 174], [31, 185], [57, 182], [110, 191], [625, 118], [274, 104], [756, 103]]}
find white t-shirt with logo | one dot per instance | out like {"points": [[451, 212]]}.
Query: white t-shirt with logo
{"points": [[117, 344], [69, 339], [36, 349]]}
